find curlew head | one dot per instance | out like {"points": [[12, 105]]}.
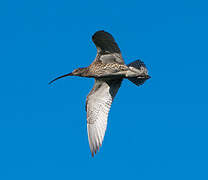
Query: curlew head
{"points": [[80, 72], [77, 72]]}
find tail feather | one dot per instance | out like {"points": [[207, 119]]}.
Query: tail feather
{"points": [[139, 66], [137, 81]]}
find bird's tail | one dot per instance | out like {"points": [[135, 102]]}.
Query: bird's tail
{"points": [[140, 67]]}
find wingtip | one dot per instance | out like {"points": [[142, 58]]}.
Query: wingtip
{"points": [[100, 34], [93, 153]]}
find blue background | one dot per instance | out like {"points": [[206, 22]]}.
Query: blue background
{"points": [[156, 131]]}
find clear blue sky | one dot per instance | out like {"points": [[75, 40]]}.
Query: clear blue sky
{"points": [[156, 131]]}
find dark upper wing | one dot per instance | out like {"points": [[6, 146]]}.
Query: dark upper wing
{"points": [[107, 49], [98, 105]]}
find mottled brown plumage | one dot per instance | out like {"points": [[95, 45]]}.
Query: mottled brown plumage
{"points": [[109, 70]]}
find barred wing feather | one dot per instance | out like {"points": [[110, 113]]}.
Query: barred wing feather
{"points": [[98, 105]]}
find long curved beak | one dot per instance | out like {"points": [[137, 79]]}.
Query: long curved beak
{"points": [[69, 74]]}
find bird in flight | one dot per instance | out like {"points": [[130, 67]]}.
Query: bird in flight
{"points": [[108, 69]]}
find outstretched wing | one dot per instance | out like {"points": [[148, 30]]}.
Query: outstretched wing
{"points": [[98, 105], [107, 49]]}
